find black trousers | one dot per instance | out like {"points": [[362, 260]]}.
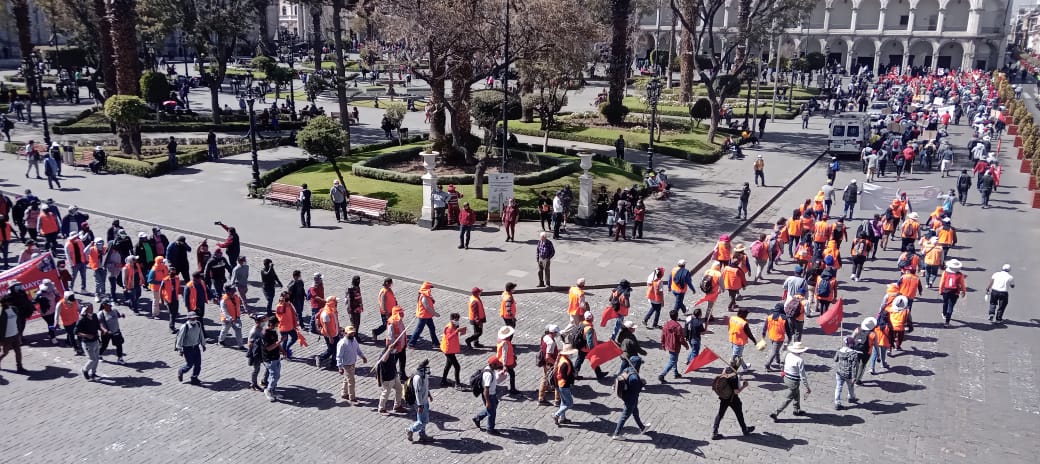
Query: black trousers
{"points": [[117, 341], [305, 217], [478, 330], [450, 361], [738, 410]]}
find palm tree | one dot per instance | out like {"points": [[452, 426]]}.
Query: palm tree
{"points": [[105, 62], [620, 10], [122, 15]]}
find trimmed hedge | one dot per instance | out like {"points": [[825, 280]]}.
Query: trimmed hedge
{"points": [[174, 127], [149, 168], [370, 168], [700, 158]]}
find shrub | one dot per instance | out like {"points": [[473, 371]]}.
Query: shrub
{"points": [[155, 88], [700, 110], [395, 112], [612, 112]]}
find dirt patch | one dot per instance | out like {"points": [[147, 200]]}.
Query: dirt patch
{"points": [[415, 166]]}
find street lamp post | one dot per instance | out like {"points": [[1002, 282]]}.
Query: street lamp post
{"points": [[505, 92], [653, 96], [35, 81], [250, 99], [184, 51]]}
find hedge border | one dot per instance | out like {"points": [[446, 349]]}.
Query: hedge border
{"points": [[699, 158], [556, 168], [65, 126]]}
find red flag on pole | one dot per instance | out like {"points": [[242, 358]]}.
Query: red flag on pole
{"points": [[830, 321], [608, 314], [705, 357], [602, 353], [299, 335]]}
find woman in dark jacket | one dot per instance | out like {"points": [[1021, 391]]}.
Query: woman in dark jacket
{"points": [[269, 280]]}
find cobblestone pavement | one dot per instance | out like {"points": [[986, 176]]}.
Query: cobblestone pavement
{"points": [[966, 393]]}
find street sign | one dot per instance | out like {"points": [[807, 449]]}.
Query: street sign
{"points": [[500, 190]]}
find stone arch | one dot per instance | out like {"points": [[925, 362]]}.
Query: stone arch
{"points": [[891, 53], [811, 45], [863, 52], [841, 14], [644, 45], [956, 17], [951, 55], [926, 16], [920, 54], [986, 55], [897, 13], [868, 15], [816, 17], [991, 17], [836, 50]]}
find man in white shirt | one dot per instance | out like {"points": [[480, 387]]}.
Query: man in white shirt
{"points": [[998, 288], [489, 378], [794, 377], [557, 205]]}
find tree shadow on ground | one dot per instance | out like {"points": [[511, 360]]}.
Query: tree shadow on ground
{"points": [[128, 381], [465, 445], [662, 440], [528, 436]]}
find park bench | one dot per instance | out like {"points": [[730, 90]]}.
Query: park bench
{"points": [[365, 206], [283, 193], [84, 159], [350, 119], [41, 148]]}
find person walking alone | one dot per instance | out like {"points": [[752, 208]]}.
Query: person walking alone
{"points": [[795, 376], [348, 351], [999, 286], [760, 173], [191, 342], [339, 196], [632, 385], [421, 386], [729, 398], [305, 206]]}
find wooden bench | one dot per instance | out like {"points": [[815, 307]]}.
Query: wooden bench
{"points": [[41, 148], [84, 159], [283, 193], [368, 207]]}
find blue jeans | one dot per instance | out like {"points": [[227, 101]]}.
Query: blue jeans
{"points": [[849, 207], [949, 300], [274, 372], [382, 326], [100, 275], [878, 352], [655, 311], [631, 410], [679, 306], [81, 270], [566, 401], [742, 207], [695, 349], [827, 206], [464, 232], [192, 361], [489, 412], [624, 364], [673, 364], [422, 417], [618, 322], [288, 339], [424, 322], [738, 351], [132, 295]]}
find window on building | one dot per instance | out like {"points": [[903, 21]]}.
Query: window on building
{"points": [[904, 20], [285, 10]]}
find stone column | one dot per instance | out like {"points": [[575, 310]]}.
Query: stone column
{"points": [[827, 19], [906, 57], [881, 20], [855, 13], [973, 20], [429, 185], [910, 22], [585, 208], [939, 22]]}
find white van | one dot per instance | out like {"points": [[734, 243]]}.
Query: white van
{"points": [[848, 134]]}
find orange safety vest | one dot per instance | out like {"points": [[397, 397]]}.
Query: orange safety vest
{"points": [[94, 256], [574, 297], [49, 224], [286, 314], [834, 288], [802, 253], [723, 251], [329, 329], [807, 225], [933, 255], [161, 272], [801, 304], [170, 288], [864, 249], [132, 277], [560, 369], [506, 353], [654, 293], [794, 228], [508, 307], [233, 307], [821, 232], [910, 229], [190, 302], [476, 309], [898, 208], [391, 301], [586, 329], [879, 337], [676, 286], [420, 311], [908, 285], [623, 303], [946, 236], [78, 245], [736, 331], [897, 318], [450, 340], [68, 312], [731, 278], [833, 253], [776, 328]]}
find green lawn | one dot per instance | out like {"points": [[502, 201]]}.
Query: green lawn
{"points": [[800, 93], [636, 105], [695, 141], [408, 197], [419, 104]]}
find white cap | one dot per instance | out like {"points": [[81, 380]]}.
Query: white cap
{"points": [[1006, 267], [853, 181], [552, 328], [629, 325], [682, 262]]}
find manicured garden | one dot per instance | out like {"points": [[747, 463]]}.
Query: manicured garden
{"points": [[688, 143], [94, 122]]}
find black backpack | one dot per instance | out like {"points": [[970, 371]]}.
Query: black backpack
{"points": [[540, 362], [707, 284], [575, 337], [861, 342], [721, 385], [823, 288], [476, 382], [409, 391]]}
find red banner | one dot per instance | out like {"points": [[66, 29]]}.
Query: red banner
{"points": [[30, 274], [602, 353], [705, 357], [608, 314], [830, 321]]}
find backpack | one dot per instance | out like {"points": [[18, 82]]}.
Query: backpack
{"points": [[476, 382], [621, 384], [793, 308], [707, 284], [721, 385], [409, 391], [758, 250], [838, 232], [964, 183], [8, 124], [540, 362], [848, 362], [860, 342], [823, 288], [575, 337], [859, 248], [904, 261]]}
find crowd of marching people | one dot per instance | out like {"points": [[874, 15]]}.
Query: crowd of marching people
{"points": [[154, 276]]}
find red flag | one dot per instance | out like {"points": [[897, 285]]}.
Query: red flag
{"points": [[299, 335], [602, 353], [608, 314], [30, 274], [705, 357], [830, 321]]}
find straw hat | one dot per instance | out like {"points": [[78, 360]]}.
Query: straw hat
{"points": [[868, 323], [797, 347], [739, 248], [913, 216], [505, 332], [349, 330], [953, 266], [568, 350]]}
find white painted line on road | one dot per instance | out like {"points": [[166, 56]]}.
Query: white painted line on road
{"points": [[1024, 393], [971, 365], [517, 273]]}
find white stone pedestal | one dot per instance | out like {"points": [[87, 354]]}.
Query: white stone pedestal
{"points": [[585, 209], [429, 185]]}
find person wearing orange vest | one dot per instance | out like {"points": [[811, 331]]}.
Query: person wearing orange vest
{"points": [[733, 281], [96, 262], [68, 315], [548, 354], [739, 334], [932, 261], [714, 274], [507, 309], [833, 251], [776, 330], [328, 326], [723, 251], [170, 290], [909, 259], [822, 231], [288, 323], [910, 231], [952, 286], [450, 347], [231, 316], [316, 295], [859, 250], [680, 281], [565, 376], [880, 341], [477, 318], [160, 270], [935, 219], [77, 258], [899, 317], [655, 286], [133, 279], [909, 286], [396, 339], [196, 294], [620, 301], [387, 301], [587, 331], [947, 237], [507, 353], [425, 312], [576, 300], [49, 225], [826, 290]]}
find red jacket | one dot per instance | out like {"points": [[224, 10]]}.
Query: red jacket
{"points": [[672, 339], [467, 217]]}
